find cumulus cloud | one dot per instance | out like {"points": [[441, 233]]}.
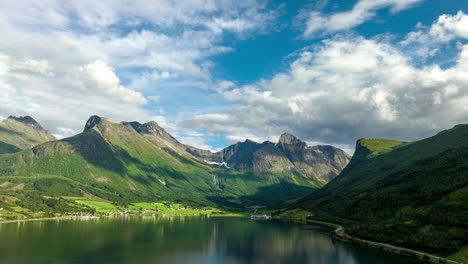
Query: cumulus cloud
{"points": [[363, 10], [446, 28], [438, 40], [62, 63], [99, 77], [198, 142], [345, 89], [449, 27]]}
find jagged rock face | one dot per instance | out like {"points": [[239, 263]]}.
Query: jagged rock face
{"points": [[150, 128], [267, 159], [26, 120], [23, 132], [292, 147], [236, 153], [92, 122], [290, 154]]}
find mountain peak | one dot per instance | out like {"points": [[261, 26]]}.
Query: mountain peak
{"points": [[152, 126], [287, 138], [149, 128], [26, 120], [249, 141], [92, 122]]}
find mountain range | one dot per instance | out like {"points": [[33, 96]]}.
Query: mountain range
{"points": [[129, 161]]}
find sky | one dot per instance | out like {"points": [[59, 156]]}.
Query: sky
{"points": [[215, 72]]}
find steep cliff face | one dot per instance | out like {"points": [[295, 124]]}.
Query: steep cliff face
{"points": [[323, 162], [289, 155], [18, 133]]}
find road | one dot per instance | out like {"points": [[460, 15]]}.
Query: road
{"points": [[340, 233]]}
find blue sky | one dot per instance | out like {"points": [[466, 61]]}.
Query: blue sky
{"points": [[214, 72]]}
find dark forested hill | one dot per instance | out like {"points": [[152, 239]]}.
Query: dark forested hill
{"points": [[411, 194]]}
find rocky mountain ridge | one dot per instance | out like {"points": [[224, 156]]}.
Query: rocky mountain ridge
{"points": [[130, 161], [19, 133], [289, 154]]}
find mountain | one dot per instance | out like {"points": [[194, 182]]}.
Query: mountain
{"points": [[126, 162], [289, 155], [412, 194], [19, 133]]}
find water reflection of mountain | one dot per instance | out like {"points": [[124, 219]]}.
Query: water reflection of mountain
{"points": [[177, 240]]}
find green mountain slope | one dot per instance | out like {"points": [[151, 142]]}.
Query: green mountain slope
{"points": [[409, 194], [126, 162], [17, 133]]}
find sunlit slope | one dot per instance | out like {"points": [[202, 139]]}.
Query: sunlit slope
{"points": [[17, 133], [413, 194], [122, 161]]}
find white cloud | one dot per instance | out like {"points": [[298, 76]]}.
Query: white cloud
{"points": [[197, 142], [62, 63], [154, 98], [4, 68], [343, 90], [224, 84], [449, 27], [363, 10], [444, 29], [98, 76], [63, 132]]}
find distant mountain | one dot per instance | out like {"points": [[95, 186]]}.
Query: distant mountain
{"points": [[318, 163], [413, 194], [19, 133], [130, 161]]}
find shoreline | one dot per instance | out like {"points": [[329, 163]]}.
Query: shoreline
{"points": [[47, 218], [340, 234], [98, 217]]}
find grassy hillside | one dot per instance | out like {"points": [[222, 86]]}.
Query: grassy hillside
{"points": [[409, 194], [21, 133], [113, 161]]}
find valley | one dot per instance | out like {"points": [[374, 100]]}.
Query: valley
{"points": [[409, 194]]}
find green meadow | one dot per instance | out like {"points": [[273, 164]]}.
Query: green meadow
{"points": [[101, 207]]}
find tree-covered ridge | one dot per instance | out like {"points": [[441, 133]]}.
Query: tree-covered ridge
{"points": [[415, 194]]}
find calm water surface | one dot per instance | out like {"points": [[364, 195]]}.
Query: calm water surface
{"points": [[178, 240]]}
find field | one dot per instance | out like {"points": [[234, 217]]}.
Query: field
{"points": [[101, 207], [154, 206], [147, 206]]}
